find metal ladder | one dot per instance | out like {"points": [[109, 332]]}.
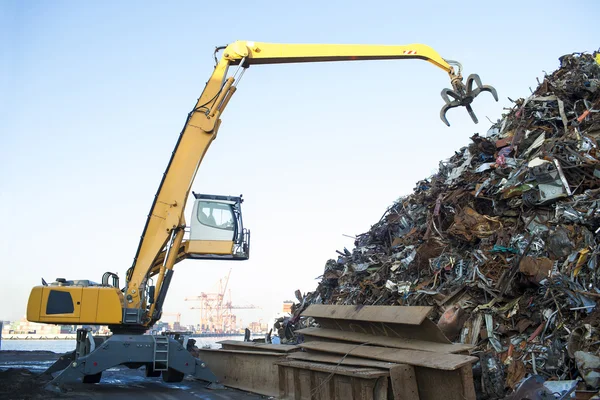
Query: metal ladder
{"points": [[161, 353]]}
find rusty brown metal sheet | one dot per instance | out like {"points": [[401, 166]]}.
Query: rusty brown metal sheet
{"points": [[307, 381], [355, 372], [436, 384], [338, 359], [466, 376], [427, 331], [396, 342], [391, 314], [253, 346], [404, 382], [252, 371], [427, 359]]}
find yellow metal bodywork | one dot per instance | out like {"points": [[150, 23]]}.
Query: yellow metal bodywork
{"points": [[91, 305], [218, 247], [279, 53], [165, 223]]}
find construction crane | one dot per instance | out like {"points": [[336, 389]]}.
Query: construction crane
{"points": [[220, 319], [211, 304], [215, 314], [229, 318]]}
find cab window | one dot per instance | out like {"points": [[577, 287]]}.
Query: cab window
{"points": [[216, 215]]}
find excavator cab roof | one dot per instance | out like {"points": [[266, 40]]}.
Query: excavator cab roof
{"points": [[236, 199]]}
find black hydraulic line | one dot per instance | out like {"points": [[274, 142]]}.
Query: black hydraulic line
{"points": [[163, 291]]}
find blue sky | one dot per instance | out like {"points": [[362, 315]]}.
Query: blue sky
{"points": [[94, 95]]}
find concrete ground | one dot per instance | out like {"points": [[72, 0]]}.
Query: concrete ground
{"points": [[19, 380]]}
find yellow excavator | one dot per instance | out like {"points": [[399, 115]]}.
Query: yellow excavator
{"points": [[216, 231]]}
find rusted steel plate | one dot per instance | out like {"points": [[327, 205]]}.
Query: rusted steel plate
{"points": [[427, 359], [414, 315], [400, 343]]}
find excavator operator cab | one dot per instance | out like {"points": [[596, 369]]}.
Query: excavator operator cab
{"points": [[216, 229]]}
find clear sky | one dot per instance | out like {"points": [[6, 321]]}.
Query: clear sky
{"points": [[94, 94]]}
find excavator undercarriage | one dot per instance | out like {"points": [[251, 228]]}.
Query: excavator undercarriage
{"points": [[159, 355]]}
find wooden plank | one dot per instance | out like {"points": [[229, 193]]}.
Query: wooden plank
{"points": [[404, 382], [337, 359], [409, 315], [427, 359], [400, 343], [466, 375], [238, 344], [251, 371], [355, 372]]}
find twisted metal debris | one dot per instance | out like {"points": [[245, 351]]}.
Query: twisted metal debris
{"points": [[502, 241]]}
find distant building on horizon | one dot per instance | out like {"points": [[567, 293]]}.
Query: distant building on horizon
{"points": [[25, 327], [287, 306]]}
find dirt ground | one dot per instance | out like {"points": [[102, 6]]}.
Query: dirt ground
{"points": [[20, 383], [21, 379]]}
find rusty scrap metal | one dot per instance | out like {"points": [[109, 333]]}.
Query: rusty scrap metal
{"points": [[502, 241]]}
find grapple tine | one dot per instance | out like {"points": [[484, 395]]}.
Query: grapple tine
{"points": [[443, 115], [463, 95], [488, 88], [470, 79], [445, 109], [472, 114], [447, 93], [480, 87]]}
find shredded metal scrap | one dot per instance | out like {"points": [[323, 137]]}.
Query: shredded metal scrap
{"points": [[502, 241]]}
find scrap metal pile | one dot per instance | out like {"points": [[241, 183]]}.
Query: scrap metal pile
{"points": [[502, 241]]}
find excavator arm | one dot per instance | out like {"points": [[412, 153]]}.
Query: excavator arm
{"points": [[255, 53], [162, 243]]}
